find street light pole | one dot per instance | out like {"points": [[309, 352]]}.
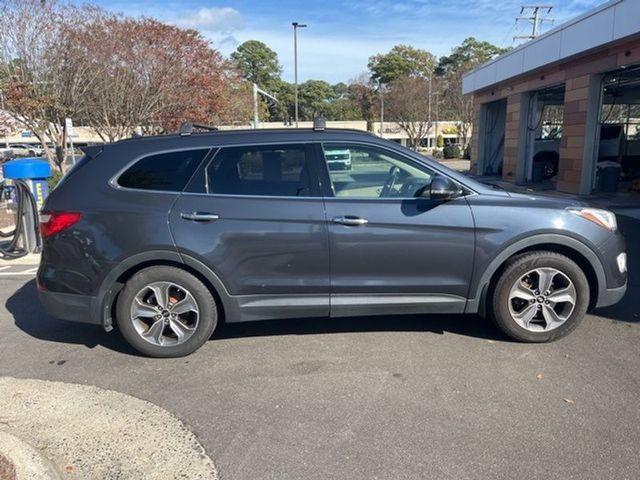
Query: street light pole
{"points": [[296, 26], [381, 109]]}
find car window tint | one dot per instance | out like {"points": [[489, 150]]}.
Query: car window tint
{"points": [[275, 171], [361, 171], [168, 171]]}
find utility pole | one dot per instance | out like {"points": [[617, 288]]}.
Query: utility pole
{"points": [[296, 26], [535, 18], [437, 95], [429, 110]]}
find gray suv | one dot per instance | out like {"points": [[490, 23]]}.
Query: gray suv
{"points": [[167, 236]]}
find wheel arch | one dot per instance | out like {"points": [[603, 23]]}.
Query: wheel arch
{"points": [[580, 253], [104, 304]]}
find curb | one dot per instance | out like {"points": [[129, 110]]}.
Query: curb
{"points": [[91, 433], [28, 462]]}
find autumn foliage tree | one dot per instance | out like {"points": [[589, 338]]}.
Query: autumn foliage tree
{"points": [[38, 83], [110, 72], [154, 76]]}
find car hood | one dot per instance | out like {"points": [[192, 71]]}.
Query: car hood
{"points": [[548, 201]]}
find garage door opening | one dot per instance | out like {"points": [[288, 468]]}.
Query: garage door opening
{"points": [[492, 157], [618, 159], [544, 133]]}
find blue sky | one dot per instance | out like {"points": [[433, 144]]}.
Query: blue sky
{"points": [[341, 36]]}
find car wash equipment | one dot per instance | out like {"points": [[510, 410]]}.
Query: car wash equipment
{"points": [[25, 189]]}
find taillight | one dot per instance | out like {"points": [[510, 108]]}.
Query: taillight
{"points": [[55, 222]]}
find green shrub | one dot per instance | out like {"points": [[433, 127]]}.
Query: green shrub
{"points": [[439, 141], [451, 151], [56, 176]]}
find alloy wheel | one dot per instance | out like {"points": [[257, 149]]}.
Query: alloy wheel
{"points": [[165, 314], [542, 299]]}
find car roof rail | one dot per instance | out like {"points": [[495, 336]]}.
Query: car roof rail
{"points": [[187, 128]]}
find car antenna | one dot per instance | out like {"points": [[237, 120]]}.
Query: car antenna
{"points": [[187, 128]]}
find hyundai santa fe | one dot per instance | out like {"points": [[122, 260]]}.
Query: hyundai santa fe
{"points": [[168, 236]]}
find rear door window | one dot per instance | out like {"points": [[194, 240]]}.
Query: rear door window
{"points": [[270, 171], [167, 172]]}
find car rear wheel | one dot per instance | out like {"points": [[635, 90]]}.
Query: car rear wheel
{"points": [[540, 296], [166, 312]]}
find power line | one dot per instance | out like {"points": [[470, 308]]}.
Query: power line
{"points": [[535, 18]]}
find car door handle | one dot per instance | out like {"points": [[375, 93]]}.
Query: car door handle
{"points": [[350, 221], [199, 216]]}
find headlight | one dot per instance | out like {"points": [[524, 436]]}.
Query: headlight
{"points": [[603, 218]]}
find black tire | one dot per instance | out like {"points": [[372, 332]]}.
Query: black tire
{"points": [[518, 266], [550, 161], [207, 315]]}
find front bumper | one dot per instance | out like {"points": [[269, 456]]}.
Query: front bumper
{"points": [[69, 306]]}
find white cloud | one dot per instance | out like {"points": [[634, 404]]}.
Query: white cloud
{"points": [[224, 20]]}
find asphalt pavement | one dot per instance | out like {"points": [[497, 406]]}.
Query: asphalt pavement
{"points": [[400, 397]]}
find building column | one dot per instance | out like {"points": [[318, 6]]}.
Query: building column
{"points": [[476, 132], [511, 133], [579, 134]]}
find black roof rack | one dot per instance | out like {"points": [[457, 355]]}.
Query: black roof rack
{"points": [[187, 128]]}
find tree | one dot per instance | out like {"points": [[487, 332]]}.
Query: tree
{"points": [[407, 103], [258, 63], [465, 57], [161, 76], [401, 61], [283, 110], [41, 82], [314, 97]]}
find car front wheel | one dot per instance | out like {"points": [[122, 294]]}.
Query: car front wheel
{"points": [[166, 312], [540, 296]]}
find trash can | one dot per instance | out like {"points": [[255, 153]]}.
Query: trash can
{"points": [[608, 177], [537, 172]]}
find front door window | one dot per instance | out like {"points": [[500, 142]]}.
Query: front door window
{"points": [[362, 171]]}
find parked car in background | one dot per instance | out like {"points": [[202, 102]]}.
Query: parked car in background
{"points": [[6, 154], [27, 150], [338, 159], [167, 236]]}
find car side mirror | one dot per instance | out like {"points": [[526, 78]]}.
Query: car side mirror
{"points": [[443, 188]]}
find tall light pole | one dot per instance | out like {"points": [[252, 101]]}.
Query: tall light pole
{"points": [[296, 26], [381, 92]]}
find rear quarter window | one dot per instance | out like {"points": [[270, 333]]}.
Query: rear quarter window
{"points": [[167, 172]]}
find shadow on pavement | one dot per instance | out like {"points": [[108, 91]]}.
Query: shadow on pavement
{"points": [[32, 319], [628, 309], [467, 325]]}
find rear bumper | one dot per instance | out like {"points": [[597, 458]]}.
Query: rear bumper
{"points": [[69, 306], [611, 296]]}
